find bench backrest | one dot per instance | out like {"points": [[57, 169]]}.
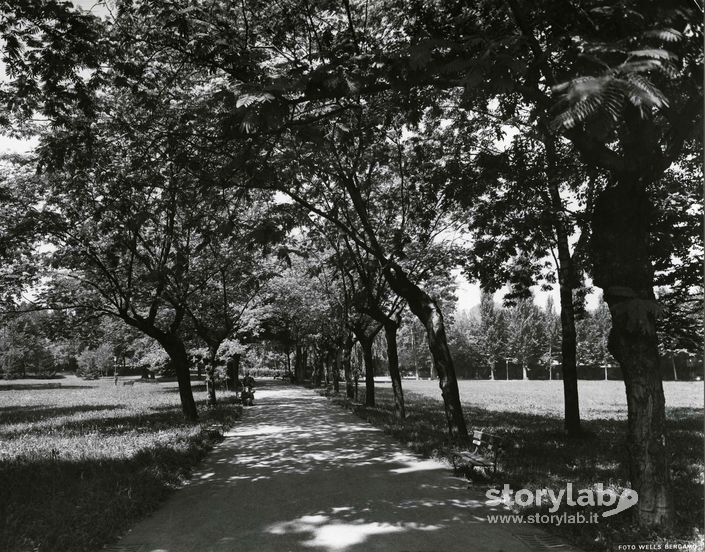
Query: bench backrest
{"points": [[485, 440]]}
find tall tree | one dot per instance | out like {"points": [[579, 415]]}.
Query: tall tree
{"points": [[523, 331], [630, 80], [231, 277], [517, 212], [357, 181], [492, 334], [129, 220], [551, 329], [593, 336]]}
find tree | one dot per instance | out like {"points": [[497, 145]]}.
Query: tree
{"points": [[630, 104], [551, 329], [25, 347], [228, 301], [492, 335], [130, 234], [52, 55], [355, 194], [369, 306], [622, 84], [679, 258], [304, 312], [96, 362], [524, 339], [593, 337], [518, 216], [463, 338], [638, 124], [279, 103]]}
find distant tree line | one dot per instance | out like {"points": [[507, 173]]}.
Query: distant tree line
{"points": [[496, 342]]}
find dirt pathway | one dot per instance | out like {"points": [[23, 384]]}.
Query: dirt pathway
{"points": [[299, 474]]}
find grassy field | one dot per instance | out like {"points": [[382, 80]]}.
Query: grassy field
{"points": [[599, 400], [538, 454], [80, 463]]}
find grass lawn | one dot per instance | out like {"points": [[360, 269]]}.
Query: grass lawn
{"points": [[80, 463], [538, 455]]}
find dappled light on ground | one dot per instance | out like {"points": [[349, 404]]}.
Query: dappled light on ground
{"points": [[333, 535], [301, 475]]}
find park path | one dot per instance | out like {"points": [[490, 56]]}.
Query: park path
{"points": [[298, 474]]}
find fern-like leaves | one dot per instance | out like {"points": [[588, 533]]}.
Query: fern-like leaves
{"points": [[628, 82]]}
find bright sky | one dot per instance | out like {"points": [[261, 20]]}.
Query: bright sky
{"points": [[469, 295]]}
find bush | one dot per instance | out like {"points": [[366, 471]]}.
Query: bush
{"points": [[263, 372], [93, 363]]}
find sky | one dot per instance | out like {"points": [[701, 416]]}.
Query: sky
{"points": [[469, 295]]}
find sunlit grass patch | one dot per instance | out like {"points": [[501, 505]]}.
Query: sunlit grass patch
{"points": [[538, 454], [80, 463]]}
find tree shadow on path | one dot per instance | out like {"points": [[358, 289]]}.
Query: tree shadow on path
{"points": [[300, 475]]}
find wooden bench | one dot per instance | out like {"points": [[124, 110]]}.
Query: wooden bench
{"points": [[486, 449]]}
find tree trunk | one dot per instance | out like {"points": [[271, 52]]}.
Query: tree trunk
{"points": [[235, 375], [297, 361], [413, 353], [524, 370], [390, 333], [622, 268], [177, 353], [569, 360], [336, 374], [347, 365], [304, 363], [566, 281], [210, 375], [427, 311], [366, 344]]}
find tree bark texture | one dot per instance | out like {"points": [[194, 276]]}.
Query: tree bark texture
{"points": [[390, 333], [210, 376], [177, 353], [347, 365], [566, 282], [569, 344], [366, 343], [428, 312], [622, 268]]}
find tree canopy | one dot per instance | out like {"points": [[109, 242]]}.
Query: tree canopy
{"points": [[302, 173]]}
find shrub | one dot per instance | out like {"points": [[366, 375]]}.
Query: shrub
{"points": [[93, 363]]}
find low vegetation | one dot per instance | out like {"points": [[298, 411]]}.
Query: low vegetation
{"points": [[80, 463], [538, 454]]}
